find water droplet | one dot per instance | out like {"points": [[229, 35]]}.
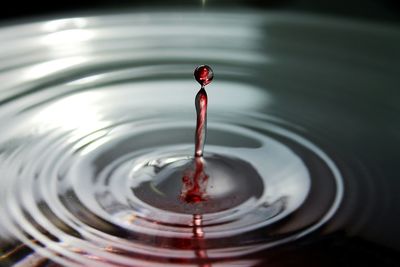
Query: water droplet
{"points": [[204, 75]]}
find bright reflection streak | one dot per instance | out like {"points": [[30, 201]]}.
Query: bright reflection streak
{"points": [[68, 37], [48, 68], [64, 24], [79, 114], [87, 80]]}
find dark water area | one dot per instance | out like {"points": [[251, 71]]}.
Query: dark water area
{"points": [[97, 117], [387, 11]]}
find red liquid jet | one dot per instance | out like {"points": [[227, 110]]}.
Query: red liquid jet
{"points": [[201, 126], [203, 75], [195, 181]]}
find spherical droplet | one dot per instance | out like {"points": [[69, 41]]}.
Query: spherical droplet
{"points": [[203, 74]]}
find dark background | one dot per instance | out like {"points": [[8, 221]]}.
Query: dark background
{"points": [[386, 11]]}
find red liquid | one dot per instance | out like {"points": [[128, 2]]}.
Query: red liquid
{"points": [[196, 243], [203, 75], [198, 235], [195, 181], [201, 126]]}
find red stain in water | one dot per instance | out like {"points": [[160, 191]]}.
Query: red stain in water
{"points": [[198, 235], [194, 185]]}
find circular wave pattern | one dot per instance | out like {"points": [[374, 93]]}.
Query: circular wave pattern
{"points": [[98, 132], [90, 200]]}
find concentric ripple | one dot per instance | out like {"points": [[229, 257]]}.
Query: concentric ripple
{"points": [[97, 121], [104, 197]]}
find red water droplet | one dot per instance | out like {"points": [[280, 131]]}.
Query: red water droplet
{"points": [[204, 75]]}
